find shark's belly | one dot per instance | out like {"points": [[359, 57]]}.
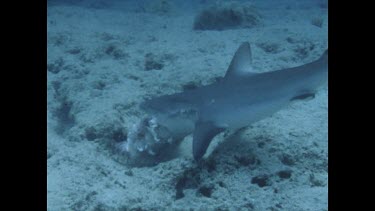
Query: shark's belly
{"points": [[236, 117]]}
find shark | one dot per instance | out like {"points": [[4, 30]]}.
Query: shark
{"points": [[243, 96]]}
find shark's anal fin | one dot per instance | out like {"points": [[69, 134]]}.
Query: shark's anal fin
{"points": [[203, 134]]}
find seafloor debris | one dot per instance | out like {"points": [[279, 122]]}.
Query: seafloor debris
{"points": [[152, 62], [157, 61], [317, 21], [270, 47]]}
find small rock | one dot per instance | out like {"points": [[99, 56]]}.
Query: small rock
{"points": [[246, 160], [287, 159], [129, 173], [261, 180], [284, 174], [316, 182], [74, 51], [56, 66], [91, 133], [269, 47], [317, 22], [115, 52], [227, 16], [206, 191], [152, 63]]}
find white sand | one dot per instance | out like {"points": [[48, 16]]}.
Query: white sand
{"points": [[102, 86]]}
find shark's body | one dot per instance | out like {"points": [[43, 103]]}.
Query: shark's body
{"points": [[242, 97]]}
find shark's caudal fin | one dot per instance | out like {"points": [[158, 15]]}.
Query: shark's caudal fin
{"points": [[324, 57], [203, 134], [241, 62], [325, 54]]}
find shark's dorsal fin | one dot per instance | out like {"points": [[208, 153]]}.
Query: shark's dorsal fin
{"points": [[241, 62], [203, 134]]}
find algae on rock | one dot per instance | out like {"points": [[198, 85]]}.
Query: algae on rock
{"points": [[227, 15]]}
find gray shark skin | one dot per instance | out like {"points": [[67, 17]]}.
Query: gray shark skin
{"points": [[241, 98]]}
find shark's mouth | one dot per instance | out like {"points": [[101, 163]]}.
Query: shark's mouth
{"points": [[146, 136]]}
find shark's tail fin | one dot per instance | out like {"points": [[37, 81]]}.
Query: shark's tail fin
{"points": [[323, 61], [324, 57]]}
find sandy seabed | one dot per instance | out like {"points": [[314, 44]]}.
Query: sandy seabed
{"points": [[97, 77]]}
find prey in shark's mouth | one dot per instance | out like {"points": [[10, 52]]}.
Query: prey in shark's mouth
{"points": [[240, 99]]}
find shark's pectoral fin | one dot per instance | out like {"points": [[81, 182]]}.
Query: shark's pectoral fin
{"points": [[304, 96], [203, 134]]}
